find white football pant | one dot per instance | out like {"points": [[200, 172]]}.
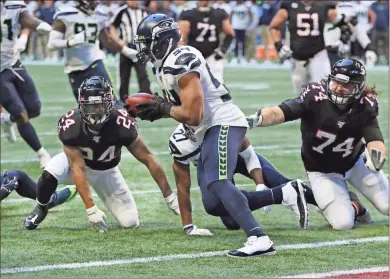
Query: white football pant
{"points": [[313, 70], [109, 185], [216, 67], [331, 193]]}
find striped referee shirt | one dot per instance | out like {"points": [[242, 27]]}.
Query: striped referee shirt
{"points": [[127, 20]]}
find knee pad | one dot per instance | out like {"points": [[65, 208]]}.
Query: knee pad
{"points": [[48, 179], [129, 221]]}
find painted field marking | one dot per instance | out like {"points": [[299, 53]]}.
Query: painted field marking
{"points": [[172, 257], [339, 273]]}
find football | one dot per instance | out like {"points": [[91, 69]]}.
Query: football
{"points": [[138, 98]]}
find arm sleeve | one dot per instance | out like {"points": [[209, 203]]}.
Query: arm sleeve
{"points": [[293, 109]]}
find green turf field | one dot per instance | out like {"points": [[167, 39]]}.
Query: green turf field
{"points": [[66, 237]]}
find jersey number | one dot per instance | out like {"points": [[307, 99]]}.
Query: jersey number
{"points": [[106, 156], [304, 27], [66, 121], [123, 120], [7, 22], [91, 30], [205, 27], [346, 147]]}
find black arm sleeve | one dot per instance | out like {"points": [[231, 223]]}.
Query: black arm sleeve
{"points": [[372, 132], [293, 109], [226, 43]]}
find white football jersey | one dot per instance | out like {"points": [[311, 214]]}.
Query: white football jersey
{"points": [[80, 57], [218, 106], [184, 145], [10, 29]]}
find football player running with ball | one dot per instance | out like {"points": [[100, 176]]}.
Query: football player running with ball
{"points": [[336, 115], [193, 96], [93, 136]]}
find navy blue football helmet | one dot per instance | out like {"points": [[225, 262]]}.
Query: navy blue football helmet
{"points": [[157, 36], [86, 5], [346, 81], [95, 100]]}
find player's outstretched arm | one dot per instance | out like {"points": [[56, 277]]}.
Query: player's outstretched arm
{"points": [[185, 28], [28, 21], [115, 44], [57, 37], [142, 153], [96, 217], [375, 155], [266, 117]]}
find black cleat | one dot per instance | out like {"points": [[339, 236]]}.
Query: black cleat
{"points": [[294, 199], [38, 214]]}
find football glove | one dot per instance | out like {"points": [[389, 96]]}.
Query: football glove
{"points": [[154, 110], [262, 187], [284, 52], [219, 54], [374, 160], [21, 43], [130, 53], [44, 28], [371, 58], [193, 230], [173, 203], [79, 38], [10, 183], [254, 120], [97, 219]]}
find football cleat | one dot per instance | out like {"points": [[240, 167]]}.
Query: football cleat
{"points": [[363, 216], [8, 127], [36, 217], [294, 199], [255, 247]]}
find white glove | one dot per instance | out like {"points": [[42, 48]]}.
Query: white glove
{"points": [[21, 43], [371, 58], [194, 231], [130, 53], [262, 187], [44, 28], [97, 219], [343, 49], [285, 53], [173, 203], [254, 120], [79, 38], [374, 160], [219, 54]]}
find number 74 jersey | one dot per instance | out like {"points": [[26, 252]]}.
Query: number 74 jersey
{"points": [[80, 57]]}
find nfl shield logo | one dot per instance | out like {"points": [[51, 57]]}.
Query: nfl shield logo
{"points": [[96, 139]]}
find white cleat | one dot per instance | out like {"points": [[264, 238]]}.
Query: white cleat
{"points": [[44, 157], [294, 199], [8, 127], [255, 247]]}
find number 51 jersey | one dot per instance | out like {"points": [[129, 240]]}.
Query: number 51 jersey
{"points": [[80, 57], [219, 108]]}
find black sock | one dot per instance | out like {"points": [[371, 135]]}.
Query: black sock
{"points": [[26, 186], [261, 199], [309, 196], [28, 133], [47, 185], [237, 205]]}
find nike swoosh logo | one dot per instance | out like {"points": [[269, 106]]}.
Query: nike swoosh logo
{"points": [[34, 219]]}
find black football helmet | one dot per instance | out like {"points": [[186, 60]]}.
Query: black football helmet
{"points": [[346, 82], [95, 100], [87, 6], [157, 36]]}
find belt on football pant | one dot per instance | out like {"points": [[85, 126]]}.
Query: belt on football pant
{"points": [[226, 98]]}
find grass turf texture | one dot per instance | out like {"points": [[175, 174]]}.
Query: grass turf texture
{"points": [[66, 237]]}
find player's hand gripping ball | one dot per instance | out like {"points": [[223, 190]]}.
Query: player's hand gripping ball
{"points": [[135, 99]]}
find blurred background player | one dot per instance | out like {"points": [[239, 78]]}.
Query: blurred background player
{"points": [[19, 181], [8, 126], [126, 20], [19, 95], [306, 20], [78, 30], [201, 28]]}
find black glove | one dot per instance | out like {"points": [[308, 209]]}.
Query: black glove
{"points": [[219, 54], [154, 110]]}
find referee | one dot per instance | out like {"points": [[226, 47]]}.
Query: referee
{"points": [[126, 19]]}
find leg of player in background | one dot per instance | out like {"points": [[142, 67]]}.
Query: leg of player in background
{"points": [[7, 125], [142, 76], [124, 76], [299, 75], [216, 67], [56, 172], [319, 66], [13, 87], [114, 192]]}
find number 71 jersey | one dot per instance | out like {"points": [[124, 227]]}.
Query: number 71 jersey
{"points": [[80, 57]]}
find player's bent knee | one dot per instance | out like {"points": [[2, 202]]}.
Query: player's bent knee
{"points": [[21, 118], [48, 178], [128, 220], [342, 224]]}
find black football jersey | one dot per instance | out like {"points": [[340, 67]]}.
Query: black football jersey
{"points": [[102, 151], [306, 25], [205, 29], [332, 138]]}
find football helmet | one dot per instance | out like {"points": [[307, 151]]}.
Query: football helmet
{"points": [[95, 100], [346, 81], [87, 6], [157, 36]]}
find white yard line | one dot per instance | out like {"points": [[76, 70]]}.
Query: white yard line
{"points": [[342, 272], [173, 257]]}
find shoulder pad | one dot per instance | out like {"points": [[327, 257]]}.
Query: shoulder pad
{"points": [[100, 11], [220, 12], [371, 105], [13, 5], [186, 14], [182, 60], [183, 145], [69, 127], [67, 11]]}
